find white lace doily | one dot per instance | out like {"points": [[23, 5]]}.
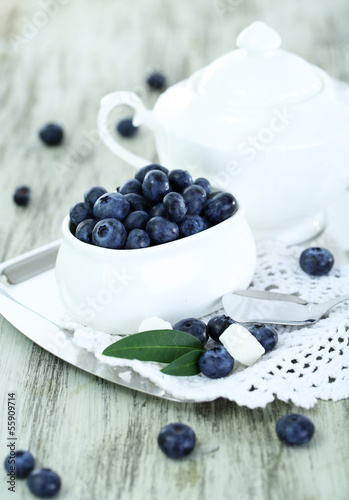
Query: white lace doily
{"points": [[308, 363]]}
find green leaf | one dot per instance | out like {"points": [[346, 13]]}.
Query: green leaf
{"points": [[185, 365], [163, 346]]}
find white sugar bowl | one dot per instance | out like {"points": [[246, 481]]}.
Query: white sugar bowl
{"points": [[259, 122]]}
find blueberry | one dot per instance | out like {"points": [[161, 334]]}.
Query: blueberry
{"points": [[137, 202], [162, 230], [155, 186], [20, 464], [175, 206], [266, 335], [195, 198], [295, 429], [126, 128], [79, 212], [179, 180], [137, 238], [44, 483], [158, 210], [316, 261], [144, 170], [217, 325], [176, 440], [193, 326], [156, 81], [219, 207], [130, 186], [136, 220], [216, 362], [204, 183], [111, 205], [92, 194], [84, 230], [51, 134], [22, 196], [191, 224], [109, 233]]}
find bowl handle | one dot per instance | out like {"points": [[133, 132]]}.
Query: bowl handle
{"points": [[142, 116]]}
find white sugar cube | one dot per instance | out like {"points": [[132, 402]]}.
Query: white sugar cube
{"points": [[241, 344], [154, 323]]}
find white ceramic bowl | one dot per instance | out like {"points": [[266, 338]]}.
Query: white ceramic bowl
{"points": [[114, 290]]}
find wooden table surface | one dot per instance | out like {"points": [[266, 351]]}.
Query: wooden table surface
{"points": [[56, 63]]}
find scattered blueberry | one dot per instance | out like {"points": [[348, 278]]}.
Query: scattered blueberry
{"points": [[191, 224], [162, 230], [295, 429], [195, 198], [156, 81], [84, 230], [179, 180], [176, 440], [204, 183], [137, 238], [219, 207], [109, 233], [175, 206], [316, 261], [216, 362], [51, 134], [141, 173], [126, 128], [22, 196], [111, 205], [137, 202], [20, 464], [158, 210], [217, 325], [79, 212], [266, 335], [136, 220], [131, 186], [193, 326], [155, 186], [44, 483], [92, 195]]}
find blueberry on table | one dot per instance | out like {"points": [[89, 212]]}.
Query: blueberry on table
{"points": [[137, 238], [316, 261], [130, 186], [137, 202], [180, 179], [79, 212], [22, 196], [156, 81], [194, 326], [111, 205], [176, 440], [20, 464], [195, 198], [51, 134], [216, 363], [204, 183], [92, 194], [136, 220], [266, 335], [295, 429], [175, 206], [84, 230], [126, 128], [109, 233], [155, 186], [44, 483], [191, 224], [141, 173], [219, 207], [217, 325], [162, 230]]}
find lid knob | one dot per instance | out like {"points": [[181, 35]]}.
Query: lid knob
{"points": [[258, 37]]}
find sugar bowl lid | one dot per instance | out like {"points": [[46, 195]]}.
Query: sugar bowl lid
{"points": [[259, 73]]}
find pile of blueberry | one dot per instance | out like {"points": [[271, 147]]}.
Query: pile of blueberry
{"points": [[43, 482], [157, 206]]}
